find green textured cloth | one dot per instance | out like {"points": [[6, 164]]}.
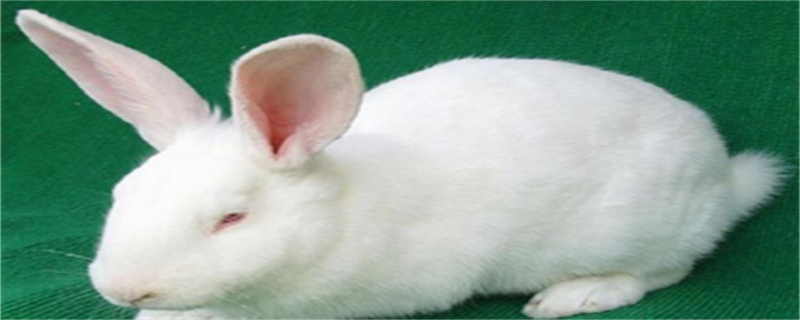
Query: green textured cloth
{"points": [[62, 153]]}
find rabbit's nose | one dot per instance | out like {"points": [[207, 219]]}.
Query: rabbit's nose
{"points": [[122, 289]]}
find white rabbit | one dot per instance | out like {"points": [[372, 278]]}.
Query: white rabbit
{"points": [[473, 177]]}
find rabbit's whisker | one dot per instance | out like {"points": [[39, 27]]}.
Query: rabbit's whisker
{"points": [[67, 254]]}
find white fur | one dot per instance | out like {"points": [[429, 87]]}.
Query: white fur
{"points": [[476, 176]]}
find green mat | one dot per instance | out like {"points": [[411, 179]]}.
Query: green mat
{"points": [[62, 153]]}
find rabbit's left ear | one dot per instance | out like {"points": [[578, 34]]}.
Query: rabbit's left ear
{"points": [[295, 95], [133, 86]]}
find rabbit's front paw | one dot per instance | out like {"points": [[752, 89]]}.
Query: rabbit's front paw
{"points": [[585, 295], [174, 315]]}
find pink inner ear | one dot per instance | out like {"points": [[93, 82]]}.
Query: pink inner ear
{"points": [[283, 124], [284, 104], [277, 128], [277, 125]]}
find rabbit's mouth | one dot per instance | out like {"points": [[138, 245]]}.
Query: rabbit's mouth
{"points": [[154, 301]]}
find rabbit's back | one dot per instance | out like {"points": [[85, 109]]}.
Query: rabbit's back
{"points": [[484, 102]]}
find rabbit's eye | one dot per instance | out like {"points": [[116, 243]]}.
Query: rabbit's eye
{"points": [[229, 220]]}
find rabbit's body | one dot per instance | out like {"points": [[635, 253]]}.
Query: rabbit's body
{"points": [[512, 195], [478, 176]]}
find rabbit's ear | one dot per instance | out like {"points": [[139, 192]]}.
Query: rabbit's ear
{"points": [[133, 86], [295, 95]]}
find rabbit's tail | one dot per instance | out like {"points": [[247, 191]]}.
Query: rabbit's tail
{"points": [[756, 178]]}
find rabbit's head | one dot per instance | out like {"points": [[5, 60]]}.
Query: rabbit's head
{"points": [[223, 203]]}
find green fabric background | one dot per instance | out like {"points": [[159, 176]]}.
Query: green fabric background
{"points": [[62, 153]]}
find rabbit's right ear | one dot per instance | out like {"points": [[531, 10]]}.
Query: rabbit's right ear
{"points": [[295, 95], [133, 86]]}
